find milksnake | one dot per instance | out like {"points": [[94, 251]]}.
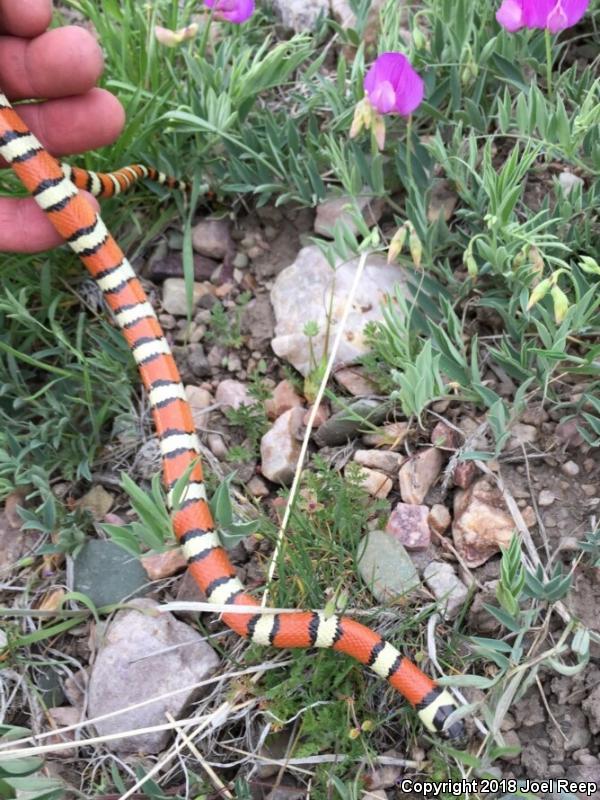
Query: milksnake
{"points": [[53, 187]]}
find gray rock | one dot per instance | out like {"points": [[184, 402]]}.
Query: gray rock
{"points": [[106, 573], [126, 672], [198, 361], [417, 475], [211, 238], [447, 588], [174, 300], [280, 447], [336, 209], [385, 566], [589, 775], [171, 266], [591, 706], [349, 422], [310, 290], [258, 322], [301, 15], [535, 761], [385, 460]]}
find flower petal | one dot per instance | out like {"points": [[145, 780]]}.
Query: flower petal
{"points": [[510, 15], [557, 19], [392, 85]]}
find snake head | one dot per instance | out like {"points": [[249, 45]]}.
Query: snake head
{"points": [[435, 708]]}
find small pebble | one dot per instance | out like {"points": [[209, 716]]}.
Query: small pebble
{"points": [[546, 498], [570, 468]]}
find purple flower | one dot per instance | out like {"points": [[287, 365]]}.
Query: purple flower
{"points": [[552, 15], [236, 11], [392, 85]]}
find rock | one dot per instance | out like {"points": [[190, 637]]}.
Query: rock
{"points": [[199, 399], [482, 524], [347, 423], [567, 433], [146, 464], [174, 299], [573, 724], [322, 415], [568, 182], [303, 292], [439, 518], [339, 209], [418, 474], [442, 200], [280, 447], [75, 687], [591, 706], [233, 394], [342, 11], [446, 587], [163, 565], [535, 761], [63, 717], [125, 673], [257, 487], [106, 573], [301, 15], [444, 436], [171, 266], [13, 543], [258, 322], [408, 524], [355, 381], [588, 775], [385, 460], [529, 711], [546, 498], [374, 794], [197, 361], [570, 469], [391, 436], [283, 398], [97, 501], [211, 238], [511, 739], [375, 483], [385, 566], [217, 445], [522, 435], [481, 622], [464, 474]]}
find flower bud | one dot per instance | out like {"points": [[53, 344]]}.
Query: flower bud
{"points": [[540, 291], [561, 303]]}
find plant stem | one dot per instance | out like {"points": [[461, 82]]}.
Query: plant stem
{"points": [[409, 149], [549, 60]]}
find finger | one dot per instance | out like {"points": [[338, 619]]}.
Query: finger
{"points": [[26, 18], [24, 228], [60, 62], [75, 124]]}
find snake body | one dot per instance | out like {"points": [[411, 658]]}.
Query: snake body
{"points": [[53, 187]]}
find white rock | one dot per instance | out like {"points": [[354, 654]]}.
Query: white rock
{"points": [[233, 394], [337, 209], [446, 586], [302, 292], [375, 483], [568, 182], [174, 299], [280, 447], [126, 672], [300, 15], [199, 399]]}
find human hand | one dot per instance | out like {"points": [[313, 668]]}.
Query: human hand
{"points": [[61, 67]]}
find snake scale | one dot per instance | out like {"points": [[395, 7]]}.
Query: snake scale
{"points": [[55, 188]]}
